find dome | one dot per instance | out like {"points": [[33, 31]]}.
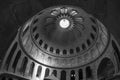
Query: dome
{"points": [[61, 43], [46, 41]]}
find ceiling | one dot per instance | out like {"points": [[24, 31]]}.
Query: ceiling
{"points": [[14, 13]]}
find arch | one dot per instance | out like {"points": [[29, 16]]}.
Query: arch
{"points": [[31, 69], [116, 53], [88, 72], [39, 71], [80, 74], [47, 72], [24, 65], [16, 59], [72, 75], [8, 59], [105, 69], [63, 75]]}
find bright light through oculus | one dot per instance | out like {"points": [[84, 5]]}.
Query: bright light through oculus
{"points": [[64, 23]]}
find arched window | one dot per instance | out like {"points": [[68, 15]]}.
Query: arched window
{"points": [[47, 72], [16, 60], [8, 59], [105, 69], [39, 71], [116, 53], [24, 65], [72, 75], [88, 72], [63, 75], [80, 74], [31, 69]]}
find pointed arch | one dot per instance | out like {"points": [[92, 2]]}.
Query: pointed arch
{"points": [[105, 69]]}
